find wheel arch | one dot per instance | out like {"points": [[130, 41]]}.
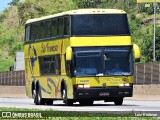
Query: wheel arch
{"points": [[37, 85]]}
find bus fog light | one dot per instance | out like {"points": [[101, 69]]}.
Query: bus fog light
{"points": [[120, 93], [126, 92], [80, 94]]}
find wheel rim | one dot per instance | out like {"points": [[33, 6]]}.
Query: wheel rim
{"points": [[34, 94], [64, 94], [39, 99]]}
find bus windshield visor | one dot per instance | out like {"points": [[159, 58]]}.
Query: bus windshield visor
{"points": [[100, 24], [105, 62]]}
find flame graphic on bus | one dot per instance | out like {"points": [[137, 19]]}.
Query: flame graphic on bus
{"points": [[49, 83], [32, 53]]}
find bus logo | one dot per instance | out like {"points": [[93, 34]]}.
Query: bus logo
{"points": [[104, 85], [49, 48]]}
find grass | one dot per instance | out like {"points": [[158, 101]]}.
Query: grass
{"points": [[62, 115], [5, 63]]}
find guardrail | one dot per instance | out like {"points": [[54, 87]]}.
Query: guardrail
{"points": [[147, 73], [12, 78], [144, 73]]}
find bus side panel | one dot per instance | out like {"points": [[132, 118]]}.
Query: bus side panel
{"points": [[50, 86], [28, 78]]}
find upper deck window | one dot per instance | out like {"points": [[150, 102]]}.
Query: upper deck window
{"points": [[100, 24]]}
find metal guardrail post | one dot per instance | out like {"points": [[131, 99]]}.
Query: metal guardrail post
{"points": [[159, 71], [151, 73], [136, 73], [144, 71]]}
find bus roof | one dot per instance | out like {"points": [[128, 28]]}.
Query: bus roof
{"points": [[79, 11]]}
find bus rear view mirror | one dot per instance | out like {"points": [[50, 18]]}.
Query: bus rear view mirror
{"points": [[136, 53], [68, 54]]}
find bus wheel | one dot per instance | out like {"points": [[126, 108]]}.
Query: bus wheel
{"points": [[34, 95], [118, 101], [49, 101], [39, 100], [67, 101], [86, 103]]}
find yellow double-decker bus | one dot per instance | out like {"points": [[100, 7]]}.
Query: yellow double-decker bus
{"points": [[79, 56]]}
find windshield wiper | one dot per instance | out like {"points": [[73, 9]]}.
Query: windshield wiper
{"points": [[121, 73]]}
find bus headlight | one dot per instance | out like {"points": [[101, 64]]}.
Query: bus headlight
{"points": [[121, 85], [82, 86], [86, 86], [124, 84]]}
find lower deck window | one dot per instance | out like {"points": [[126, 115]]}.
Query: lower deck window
{"points": [[50, 65]]}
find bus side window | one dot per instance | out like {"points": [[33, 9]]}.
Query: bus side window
{"points": [[27, 35], [54, 28], [47, 29], [36, 31], [49, 65], [52, 65], [60, 27], [42, 30], [66, 26], [32, 32], [57, 65]]}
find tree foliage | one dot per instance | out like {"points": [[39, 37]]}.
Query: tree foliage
{"points": [[14, 2], [140, 21]]}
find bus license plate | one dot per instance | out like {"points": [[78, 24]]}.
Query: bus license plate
{"points": [[104, 94]]}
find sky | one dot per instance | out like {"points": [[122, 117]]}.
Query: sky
{"points": [[4, 4]]}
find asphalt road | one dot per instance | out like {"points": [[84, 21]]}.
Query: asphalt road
{"points": [[128, 105]]}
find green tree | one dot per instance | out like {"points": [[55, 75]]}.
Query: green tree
{"points": [[14, 2], [87, 3], [158, 43]]}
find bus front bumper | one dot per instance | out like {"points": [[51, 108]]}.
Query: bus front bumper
{"points": [[102, 93]]}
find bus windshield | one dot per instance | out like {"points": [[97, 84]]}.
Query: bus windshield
{"points": [[107, 61], [101, 24]]}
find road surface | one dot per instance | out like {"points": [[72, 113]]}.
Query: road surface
{"points": [[128, 105]]}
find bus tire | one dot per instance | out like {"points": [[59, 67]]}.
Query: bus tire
{"points": [[86, 103], [39, 100], [34, 95], [68, 102], [118, 101]]}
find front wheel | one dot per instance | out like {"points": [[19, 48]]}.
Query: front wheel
{"points": [[67, 101], [118, 101]]}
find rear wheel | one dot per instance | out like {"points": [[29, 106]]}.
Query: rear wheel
{"points": [[34, 95], [67, 101], [118, 101], [38, 98]]}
